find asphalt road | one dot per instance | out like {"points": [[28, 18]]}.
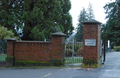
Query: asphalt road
{"points": [[111, 69]]}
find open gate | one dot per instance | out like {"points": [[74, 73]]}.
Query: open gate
{"points": [[73, 52], [103, 52], [3, 52]]}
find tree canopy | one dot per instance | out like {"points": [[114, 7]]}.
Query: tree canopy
{"points": [[111, 30], [36, 17]]}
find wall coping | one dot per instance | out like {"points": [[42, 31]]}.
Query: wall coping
{"points": [[58, 34], [11, 39], [35, 41], [92, 21]]}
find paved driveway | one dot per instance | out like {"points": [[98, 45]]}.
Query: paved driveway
{"points": [[111, 69]]}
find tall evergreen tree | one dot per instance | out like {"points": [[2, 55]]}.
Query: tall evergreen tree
{"points": [[39, 18], [6, 14], [66, 20], [111, 31], [36, 17], [90, 12], [82, 17]]}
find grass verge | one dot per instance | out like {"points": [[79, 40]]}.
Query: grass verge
{"points": [[75, 60]]}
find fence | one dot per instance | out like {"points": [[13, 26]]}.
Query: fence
{"points": [[3, 52], [3, 47]]}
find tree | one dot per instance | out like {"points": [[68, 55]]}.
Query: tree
{"points": [[5, 33], [111, 31], [6, 15], [82, 17], [30, 15], [66, 20], [90, 12], [40, 18]]}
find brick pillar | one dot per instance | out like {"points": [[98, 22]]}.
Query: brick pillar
{"points": [[91, 43], [57, 47], [10, 51]]}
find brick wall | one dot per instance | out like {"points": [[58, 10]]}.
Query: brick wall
{"points": [[36, 50], [32, 51]]}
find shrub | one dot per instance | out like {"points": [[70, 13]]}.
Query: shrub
{"points": [[80, 51], [117, 48], [68, 52], [77, 46], [5, 33], [67, 46], [89, 62]]}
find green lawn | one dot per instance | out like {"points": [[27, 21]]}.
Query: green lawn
{"points": [[3, 57], [76, 60]]}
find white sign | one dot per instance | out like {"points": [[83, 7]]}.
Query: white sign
{"points": [[90, 42]]}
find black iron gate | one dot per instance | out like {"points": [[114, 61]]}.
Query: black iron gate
{"points": [[3, 52], [103, 52]]}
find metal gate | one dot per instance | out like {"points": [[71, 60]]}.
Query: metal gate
{"points": [[3, 52], [103, 52], [73, 52]]}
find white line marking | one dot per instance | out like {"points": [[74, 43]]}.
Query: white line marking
{"points": [[47, 75]]}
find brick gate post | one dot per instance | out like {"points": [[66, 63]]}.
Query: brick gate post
{"points": [[91, 43], [10, 52], [57, 48]]}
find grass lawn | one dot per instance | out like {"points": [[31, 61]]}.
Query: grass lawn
{"points": [[3, 57], [76, 60]]}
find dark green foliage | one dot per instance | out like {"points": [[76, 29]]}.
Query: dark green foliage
{"points": [[36, 17], [66, 20], [111, 31], [31, 63], [7, 18], [82, 17], [39, 18]]}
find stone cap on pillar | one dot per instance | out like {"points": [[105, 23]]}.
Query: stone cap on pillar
{"points": [[11, 39], [92, 21], [58, 34]]}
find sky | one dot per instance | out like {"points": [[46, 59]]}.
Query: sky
{"points": [[97, 5]]}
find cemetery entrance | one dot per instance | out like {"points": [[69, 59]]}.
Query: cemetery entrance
{"points": [[73, 52], [3, 52]]}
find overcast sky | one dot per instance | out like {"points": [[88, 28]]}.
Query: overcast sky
{"points": [[97, 5]]}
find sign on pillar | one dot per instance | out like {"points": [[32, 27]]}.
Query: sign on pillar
{"points": [[91, 43]]}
